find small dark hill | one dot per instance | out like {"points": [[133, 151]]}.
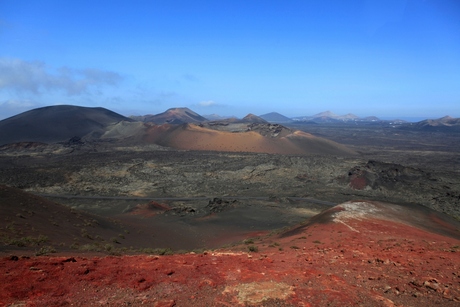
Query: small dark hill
{"points": [[445, 123], [174, 116], [251, 118], [329, 117], [30, 222], [274, 117], [370, 119], [56, 124], [325, 114], [407, 215]]}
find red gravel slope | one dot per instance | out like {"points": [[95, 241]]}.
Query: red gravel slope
{"points": [[195, 137], [355, 254]]}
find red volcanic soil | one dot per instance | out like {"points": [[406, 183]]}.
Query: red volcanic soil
{"points": [[194, 137], [150, 209], [355, 254]]}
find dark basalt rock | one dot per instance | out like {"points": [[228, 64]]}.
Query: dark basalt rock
{"points": [[217, 205], [376, 174], [74, 141]]}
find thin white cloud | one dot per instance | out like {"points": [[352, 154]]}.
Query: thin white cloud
{"points": [[34, 77], [207, 103]]}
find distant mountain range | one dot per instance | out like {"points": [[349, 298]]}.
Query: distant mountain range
{"points": [[64, 122], [445, 123], [185, 115], [327, 117], [320, 118]]}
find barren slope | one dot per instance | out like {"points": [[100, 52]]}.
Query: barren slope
{"points": [[355, 254], [34, 224], [194, 137]]}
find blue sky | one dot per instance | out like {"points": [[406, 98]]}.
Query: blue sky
{"points": [[389, 58]]}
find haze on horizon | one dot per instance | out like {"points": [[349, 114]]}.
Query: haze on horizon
{"points": [[391, 59]]}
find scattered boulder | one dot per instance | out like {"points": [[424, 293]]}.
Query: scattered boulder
{"points": [[217, 205], [182, 210]]}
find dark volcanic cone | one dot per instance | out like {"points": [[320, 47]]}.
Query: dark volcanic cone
{"points": [[56, 124]]}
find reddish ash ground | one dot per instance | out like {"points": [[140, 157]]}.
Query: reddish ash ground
{"points": [[355, 254]]}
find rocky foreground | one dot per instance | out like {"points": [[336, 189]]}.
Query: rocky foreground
{"points": [[354, 254]]}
